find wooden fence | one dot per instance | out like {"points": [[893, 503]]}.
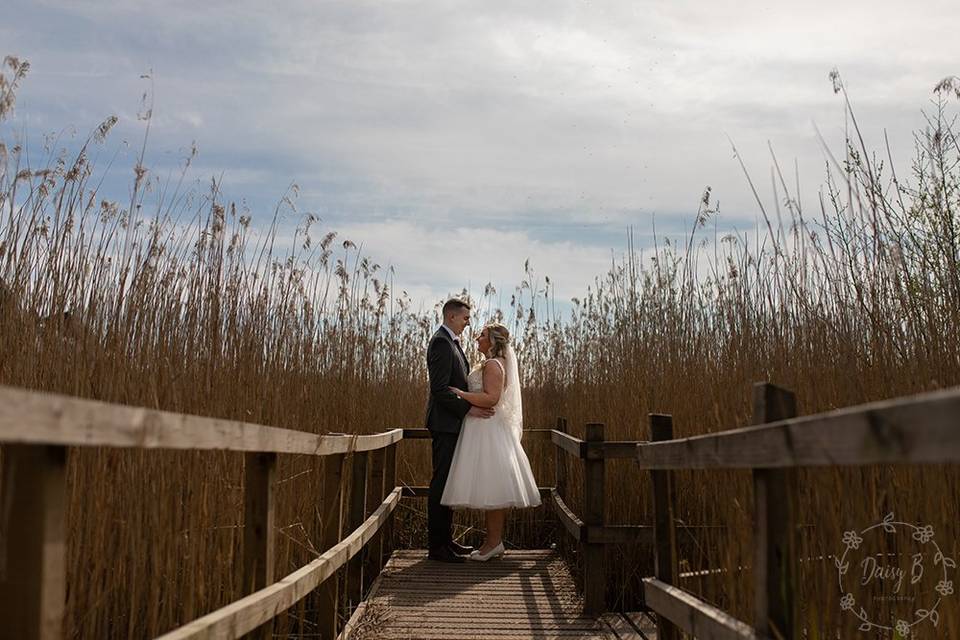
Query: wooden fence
{"points": [[921, 429], [592, 533], [35, 430]]}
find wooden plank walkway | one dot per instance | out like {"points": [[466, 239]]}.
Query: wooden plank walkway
{"points": [[524, 594]]}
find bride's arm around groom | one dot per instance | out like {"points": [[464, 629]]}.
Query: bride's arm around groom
{"points": [[447, 367], [492, 386]]}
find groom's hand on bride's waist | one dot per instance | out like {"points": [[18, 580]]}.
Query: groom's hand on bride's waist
{"points": [[480, 412]]}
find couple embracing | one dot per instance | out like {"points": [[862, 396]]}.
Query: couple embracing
{"points": [[475, 420]]}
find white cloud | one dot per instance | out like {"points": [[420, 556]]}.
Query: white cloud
{"points": [[439, 261], [528, 117]]}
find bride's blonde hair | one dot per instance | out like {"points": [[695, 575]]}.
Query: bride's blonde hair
{"points": [[499, 338]]}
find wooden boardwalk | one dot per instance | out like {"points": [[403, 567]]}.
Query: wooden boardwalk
{"points": [[528, 594], [525, 594]]}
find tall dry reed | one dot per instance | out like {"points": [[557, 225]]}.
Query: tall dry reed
{"points": [[854, 300], [178, 302]]}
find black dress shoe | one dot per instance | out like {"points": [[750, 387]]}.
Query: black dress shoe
{"points": [[459, 549], [445, 554]]}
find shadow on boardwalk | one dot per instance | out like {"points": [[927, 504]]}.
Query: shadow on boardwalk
{"points": [[525, 594]]}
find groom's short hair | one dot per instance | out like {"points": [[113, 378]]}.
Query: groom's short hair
{"points": [[454, 304]]}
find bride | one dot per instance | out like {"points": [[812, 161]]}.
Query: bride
{"points": [[490, 470]]}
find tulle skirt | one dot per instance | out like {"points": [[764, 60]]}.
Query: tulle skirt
{"points": [[490, 469]]}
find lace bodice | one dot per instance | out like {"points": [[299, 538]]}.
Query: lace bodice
{"points": [[475, 379]]}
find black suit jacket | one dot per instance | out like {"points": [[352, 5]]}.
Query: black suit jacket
{"points": [[445, 410]]}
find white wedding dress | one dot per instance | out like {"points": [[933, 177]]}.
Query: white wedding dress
{"points": [[490, 469]]}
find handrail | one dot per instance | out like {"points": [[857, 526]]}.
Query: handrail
{"points": [[534, 435], [923, 428], [245, 615], [574, 525], [37, 427], [32, 417], [692, 615], [574, 446], [605, 450]]}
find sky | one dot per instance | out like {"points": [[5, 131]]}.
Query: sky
{"points": [[456, 140]]}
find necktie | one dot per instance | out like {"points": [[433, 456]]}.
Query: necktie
{"points": [[463, 357]]}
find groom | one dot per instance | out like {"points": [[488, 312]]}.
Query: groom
{"points": [[447, 367]]}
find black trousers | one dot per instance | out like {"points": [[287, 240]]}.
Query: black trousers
{"points": [[439, 517]]}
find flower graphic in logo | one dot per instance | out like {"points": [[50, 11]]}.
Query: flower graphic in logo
{"points": [[847, 602], [945, 587], [851, 539], [877, 570], [923, 534]]}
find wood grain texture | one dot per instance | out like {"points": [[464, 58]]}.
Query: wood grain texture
{"points": [[246, 614], [372, 555], [259, 526], [923, 428], [33, 538], [664, 522], [775, 508], [574, 446], [560, 461], [389, 483], [574, 525], [258, 520], [355, 517], [33, 417], [331, 529], [525, 594], [358, 615], [614, 449], [594, 516], [693, 615]]}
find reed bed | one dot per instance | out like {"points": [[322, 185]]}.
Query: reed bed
{"points": [[178, 302]]}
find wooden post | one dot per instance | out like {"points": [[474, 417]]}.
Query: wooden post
{"points": [[358, 495], [594, 571], [389, 483], [329, 536], [258, 520], [259, 471], [560, 481], [373, 551], [33, 542], [774, 527], [560, 462], [664, 518]]}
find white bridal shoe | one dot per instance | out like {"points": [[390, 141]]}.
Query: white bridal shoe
{"points": [[496, 552]]}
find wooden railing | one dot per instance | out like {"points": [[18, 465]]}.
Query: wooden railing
{"points": [[592, 532], [35, 430], [917, 429], [920, 429]]}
